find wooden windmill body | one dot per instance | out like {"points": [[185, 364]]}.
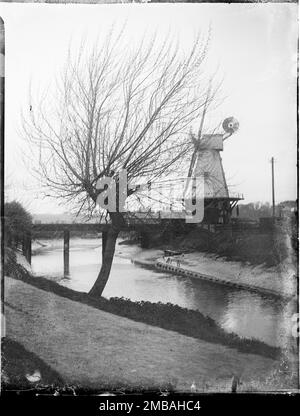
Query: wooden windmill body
{"points": [[207, 162]]}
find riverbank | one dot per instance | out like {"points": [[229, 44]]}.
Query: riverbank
{"points": [[164, 315], [91, 348], [248, 314], [277, 281]]}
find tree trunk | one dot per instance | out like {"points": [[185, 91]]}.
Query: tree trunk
{"points": [[107, 259]]}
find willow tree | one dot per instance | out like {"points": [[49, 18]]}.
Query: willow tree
{"points": [[116, 106]]}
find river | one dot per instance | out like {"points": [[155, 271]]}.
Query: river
{"points": [[247, 314]]}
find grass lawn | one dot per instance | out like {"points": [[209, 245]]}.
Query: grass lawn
{"points": [[93, 349]]}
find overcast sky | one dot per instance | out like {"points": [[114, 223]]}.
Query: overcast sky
{"points": [[254, 46]]}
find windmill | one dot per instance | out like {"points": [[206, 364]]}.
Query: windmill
{"points": [[206, 161]]}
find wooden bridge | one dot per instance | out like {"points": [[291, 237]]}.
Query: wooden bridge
{"points": [[143, 222]]}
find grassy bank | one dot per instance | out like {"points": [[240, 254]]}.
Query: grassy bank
{"points": [[268, 249], [257, 248], [93, 349], [167, 316]]}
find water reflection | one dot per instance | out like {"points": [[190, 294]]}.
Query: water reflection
{"points": [[239, 311]]}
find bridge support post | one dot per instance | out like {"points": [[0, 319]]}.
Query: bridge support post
{"points": [[66, 252], [145, 240], [104, 239], [26, 246]]}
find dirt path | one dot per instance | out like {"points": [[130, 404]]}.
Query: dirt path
{"points": [[96, 349]]}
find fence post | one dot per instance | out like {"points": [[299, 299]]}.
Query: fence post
{"points": [[66, 252]]}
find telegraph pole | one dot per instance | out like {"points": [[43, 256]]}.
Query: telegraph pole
{"points": [[273, 188]]}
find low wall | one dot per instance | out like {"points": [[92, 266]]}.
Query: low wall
{"points": [[192, 274]]}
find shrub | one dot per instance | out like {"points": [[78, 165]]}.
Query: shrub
{"points": [[17, 221]]}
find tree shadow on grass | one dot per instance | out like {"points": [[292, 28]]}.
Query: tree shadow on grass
{"points": [[24, 370]]}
